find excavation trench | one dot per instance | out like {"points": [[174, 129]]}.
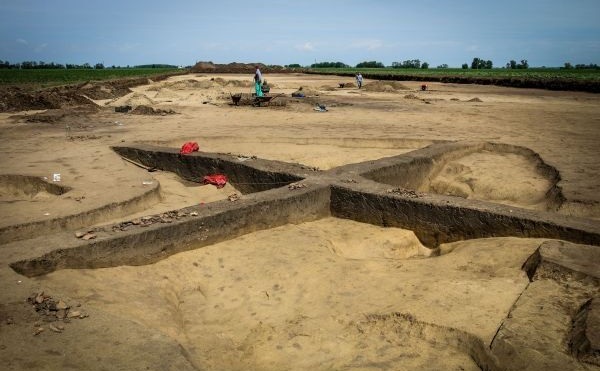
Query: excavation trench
{"points": [[278, 193]]}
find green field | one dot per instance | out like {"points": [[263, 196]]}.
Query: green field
{"points": [[591, 75], [53, 77]]}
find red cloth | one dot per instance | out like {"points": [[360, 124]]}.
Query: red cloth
{"points": [[189, 147], [218, 180]]}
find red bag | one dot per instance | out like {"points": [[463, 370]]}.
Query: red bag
{"points": [[189, 147], [218, 180]]}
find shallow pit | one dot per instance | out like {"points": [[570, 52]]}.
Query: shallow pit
{"points": [[492, 172], [505, 178]]}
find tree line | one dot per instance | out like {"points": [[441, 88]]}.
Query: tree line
{"points": [[476, 64], [41, 65]]}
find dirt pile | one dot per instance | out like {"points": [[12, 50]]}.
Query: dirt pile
{"points": [[304, 91], [147, 110], [52, 116], [236, 67], [385, 86]]}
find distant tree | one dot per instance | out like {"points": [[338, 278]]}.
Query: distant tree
{"points": [[512, 64], [479, 64], [370, 64], [329, 65], [523, 65], [425, 66], [442, 66], [465, 66], [568, 66], [411, 63], [586, 66], [294, 65], [99, 66]]}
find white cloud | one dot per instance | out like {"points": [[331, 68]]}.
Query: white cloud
{"points": [[21, 41], [307, 47]]}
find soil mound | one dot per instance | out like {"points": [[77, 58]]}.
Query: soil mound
{"points": [[475, 100], [138, 99], [103, 91], [146, 110], [347, 85], [305, 92], [52, 116], [236, 67], [385, 86]]}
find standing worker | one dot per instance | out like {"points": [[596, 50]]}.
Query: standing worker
{"points": [[258, 82], [359, 80]]}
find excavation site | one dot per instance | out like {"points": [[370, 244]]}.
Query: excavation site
{"points": [[182, 224]]}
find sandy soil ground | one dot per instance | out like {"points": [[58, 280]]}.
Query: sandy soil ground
{"points": [[330, 294]]}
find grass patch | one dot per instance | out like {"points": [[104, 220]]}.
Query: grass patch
{"points": [[54, 77]]}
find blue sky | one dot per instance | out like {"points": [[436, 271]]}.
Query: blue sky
{"points": [[546, 33]]}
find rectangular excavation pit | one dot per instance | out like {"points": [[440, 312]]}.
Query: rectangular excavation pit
{"points": [[262, 175]]}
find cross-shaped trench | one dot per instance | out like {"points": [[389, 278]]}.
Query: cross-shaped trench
{"points": [[380, 192]]}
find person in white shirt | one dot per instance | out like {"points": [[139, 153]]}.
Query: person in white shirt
{"points": [[359, 80]]}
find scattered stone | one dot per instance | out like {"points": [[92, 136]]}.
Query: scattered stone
{"points": [[79, 234], [61, 314], [61, 305], [73, 314], [348, 181], [405, 192], [193, 213], [39, 298], [233, 197], [52, 310], [296, 186], [38, 331], [54, 328], [89, 236]]}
